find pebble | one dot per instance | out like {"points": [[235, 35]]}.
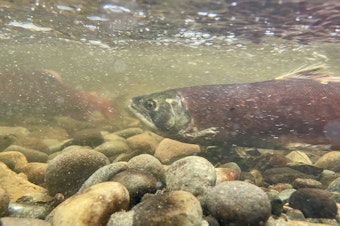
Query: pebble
{"points": [[129, 132], [13, 159], [93, 206], [168, 209], [283, 175], [14, 221], [16, 185], [144, 143], [305, 168], [103, 174], [170, 150], [35, 172], [239, 203], [192, 174], [70, 169], [88, 137], [150, 164], [334, 186], [30, 154], [226, 174], [269, 161], [299, 157], [329, 161], [138, 182], [4, 201], [113, 148], [121, 218], [306, 183], [314, 203]]}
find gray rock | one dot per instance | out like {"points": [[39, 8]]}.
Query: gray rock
{"points": [[334, 186], [69, 170], [239, 203], [150, 164], [285, 194], [121, 218], [27, 210], [169, 209], [193, 174], [314, 203], [138, 182], [103, 174]]}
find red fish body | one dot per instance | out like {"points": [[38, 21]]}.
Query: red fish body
{"points": [[44, 93], [261, 114]]}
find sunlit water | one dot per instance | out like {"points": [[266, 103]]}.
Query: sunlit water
{"points": [[121, 49]]}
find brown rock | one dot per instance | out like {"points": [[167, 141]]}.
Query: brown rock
{"points": [[93, 206], [330, 161], [16, 185], [13, 159], [4, 201], [145, 143], [170, 150], [14, 221], [69, 170], [35, 172], [226, 174]]}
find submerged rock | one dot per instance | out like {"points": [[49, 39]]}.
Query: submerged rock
{"points": [[169, 209], [239, 203], [4, 201], [193, 174], [169, 150], [314, 203], [16, 185], [93, 206], [330, 161], [69, 170], [14, 221]]}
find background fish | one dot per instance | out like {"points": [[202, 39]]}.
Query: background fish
{"points": [[302, 106], [44, 93]]}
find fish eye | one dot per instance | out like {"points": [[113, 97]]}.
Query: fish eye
{"points": [[150, 104]]}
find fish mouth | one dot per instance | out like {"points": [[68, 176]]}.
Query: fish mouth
{"points": [[141, 115]]}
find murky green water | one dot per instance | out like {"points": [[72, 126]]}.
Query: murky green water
{"points": [[125, 48]]}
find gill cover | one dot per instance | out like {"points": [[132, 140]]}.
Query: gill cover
{"points": [[162, 111]]}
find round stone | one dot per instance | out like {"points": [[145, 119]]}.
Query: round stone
{"points": [[239, 203], [68, 171]]}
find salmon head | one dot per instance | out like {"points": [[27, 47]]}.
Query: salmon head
{"points": [[164, 111]]}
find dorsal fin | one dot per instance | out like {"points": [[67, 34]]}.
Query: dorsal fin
{"points": [[316, 71]]}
